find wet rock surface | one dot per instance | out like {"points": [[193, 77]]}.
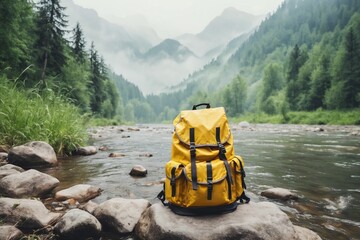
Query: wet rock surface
{"points": [[34, 153], [30, 183]]}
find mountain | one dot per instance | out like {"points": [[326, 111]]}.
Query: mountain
{"points": [[168, 49], [110, 37], [223, 28], [134, 50]]}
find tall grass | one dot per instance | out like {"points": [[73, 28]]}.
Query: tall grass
{"points": [[28, 116]]}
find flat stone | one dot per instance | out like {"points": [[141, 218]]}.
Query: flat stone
{"points": [[26, 213], [263, 220], [80, 192], [120, 215], [30, 183]]}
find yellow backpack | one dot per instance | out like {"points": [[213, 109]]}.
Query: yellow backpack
{"points": [[204, 176]]}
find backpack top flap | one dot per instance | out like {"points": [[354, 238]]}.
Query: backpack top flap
{"points": [[205, 122]]}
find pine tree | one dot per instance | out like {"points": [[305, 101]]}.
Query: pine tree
{"points": [[351, 68], [234, 96], [321, 81], [51, 23], [272, 84], [293, 91], [78, 44], [16, 25]]}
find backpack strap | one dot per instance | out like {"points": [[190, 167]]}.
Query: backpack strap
{"points": [[243, 175], [209, 179], [193, 159], [222, 156], [161, 197], [243, 198]]}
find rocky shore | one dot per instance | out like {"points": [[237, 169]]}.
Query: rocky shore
{"points": [[29, 204]]}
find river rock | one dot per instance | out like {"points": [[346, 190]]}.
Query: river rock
{"points": [[4, 173], [8, 232], [90, 206], [26, 213], [30, 183], [77, 224], [32, 154], [263, 220], [121, 215], [80, 192], [138, 171], [86, 151], [244, 124], [279, 193], [11, 167], [116, 155], [103, 148]]}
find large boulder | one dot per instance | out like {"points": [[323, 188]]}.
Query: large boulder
{"points": [[36, 153], [30, 183], [26, 213], [121, 215], [8, 232], [80, 192], [263, 220], [77, 224]]}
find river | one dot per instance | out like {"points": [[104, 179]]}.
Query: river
{"points": [[322, 166]]}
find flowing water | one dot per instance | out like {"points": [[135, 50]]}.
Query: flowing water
{"points": [[321, 167]]}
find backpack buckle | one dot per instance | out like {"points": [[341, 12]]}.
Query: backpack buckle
{"points": [[192, 148]]}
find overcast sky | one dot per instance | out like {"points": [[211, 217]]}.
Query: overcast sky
{"points": [[170, 18]]}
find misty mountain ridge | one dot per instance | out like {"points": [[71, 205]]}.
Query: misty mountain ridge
{"points": [[133, 49], [170, 49], [221, 30]]}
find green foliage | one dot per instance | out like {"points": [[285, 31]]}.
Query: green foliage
{"points": [[104, 122], [50, 43], [74, 83], [272, 83], [319, 117], [78, 44], [30, 116], [16, 25], [234, 96]]}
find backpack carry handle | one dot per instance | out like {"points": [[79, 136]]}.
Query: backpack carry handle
{"points": [[201, 104]]}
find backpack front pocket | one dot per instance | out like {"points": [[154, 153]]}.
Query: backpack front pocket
{"points": [[237, 164], [174, 182], [213, 185]]}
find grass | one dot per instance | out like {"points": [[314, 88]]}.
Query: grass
{"points": [[29, 116], [319, 117]]}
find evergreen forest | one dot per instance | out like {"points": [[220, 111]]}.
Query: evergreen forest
{"points": [[304, 57]]}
